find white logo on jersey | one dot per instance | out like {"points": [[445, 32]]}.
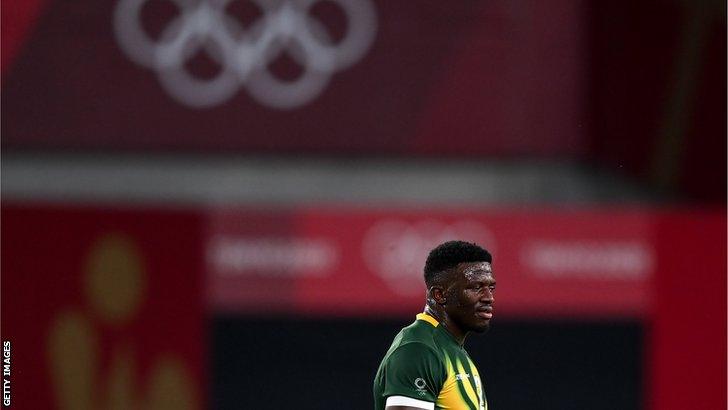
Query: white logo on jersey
{"points": [[420, 384]]}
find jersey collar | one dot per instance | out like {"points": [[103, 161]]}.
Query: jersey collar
{"points": [[427, 318]]}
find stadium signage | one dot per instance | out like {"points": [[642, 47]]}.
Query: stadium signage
{"points": [[354, 262]]}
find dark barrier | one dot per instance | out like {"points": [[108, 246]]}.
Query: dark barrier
{"points": [[316, 364]]}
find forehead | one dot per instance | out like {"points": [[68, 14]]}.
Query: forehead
{"points": [[475, 270]]}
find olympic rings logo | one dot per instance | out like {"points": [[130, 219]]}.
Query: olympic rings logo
{"points": [[244, 55], [396, 249]]}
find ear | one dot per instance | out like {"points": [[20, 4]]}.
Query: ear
{"points": [[438, 295]]}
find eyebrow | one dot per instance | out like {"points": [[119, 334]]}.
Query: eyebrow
{"points": [[487, 278]]}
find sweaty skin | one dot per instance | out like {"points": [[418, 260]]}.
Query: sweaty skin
{"points": [[463, 303]]}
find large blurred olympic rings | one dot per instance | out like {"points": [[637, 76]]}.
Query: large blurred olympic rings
{"points": [[244, 55]]}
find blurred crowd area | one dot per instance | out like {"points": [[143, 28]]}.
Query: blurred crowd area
{"points": [[228, 204]]}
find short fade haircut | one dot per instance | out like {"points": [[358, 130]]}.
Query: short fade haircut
{"points": [[450, 254]]}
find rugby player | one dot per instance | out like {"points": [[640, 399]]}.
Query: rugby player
{"points": [[426, 367]]}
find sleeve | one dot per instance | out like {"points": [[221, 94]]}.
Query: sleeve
{"points": [[414, 370]]}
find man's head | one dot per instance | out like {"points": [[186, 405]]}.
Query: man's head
{"points": [[460, 286]]}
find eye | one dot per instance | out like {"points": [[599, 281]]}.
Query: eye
{"points": [[492, 288]]}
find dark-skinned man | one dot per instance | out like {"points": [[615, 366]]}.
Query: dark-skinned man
{"points": [[426, 367]]}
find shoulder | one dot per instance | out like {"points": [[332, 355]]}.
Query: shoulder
{"points": [[417, 347], [416, 352], [413, 370], [420, 332]]}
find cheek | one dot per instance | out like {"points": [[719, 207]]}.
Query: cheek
{"points": [[465, 299], [470, 297]]}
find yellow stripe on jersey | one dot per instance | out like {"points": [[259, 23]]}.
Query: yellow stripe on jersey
{"points": [[449, 397], [427, 318], [467, 384]]}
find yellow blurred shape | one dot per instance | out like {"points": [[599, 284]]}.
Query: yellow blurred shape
{"points": [[115, 279]]}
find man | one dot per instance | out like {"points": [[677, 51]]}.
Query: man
{"points": [[427, 367]]}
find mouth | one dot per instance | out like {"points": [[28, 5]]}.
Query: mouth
{"points": [[485, 313]]}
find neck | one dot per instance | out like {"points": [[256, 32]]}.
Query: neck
{"points": [[441, 315]]}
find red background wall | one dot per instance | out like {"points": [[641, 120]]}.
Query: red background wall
{"points": [[46, 253]]}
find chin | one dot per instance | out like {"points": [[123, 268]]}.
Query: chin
{"points": [[482, 328]]}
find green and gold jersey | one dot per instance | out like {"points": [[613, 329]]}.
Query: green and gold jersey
{"points": [[426, 367]]}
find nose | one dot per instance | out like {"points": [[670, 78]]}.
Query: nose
{"points": [[487, 296]]}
